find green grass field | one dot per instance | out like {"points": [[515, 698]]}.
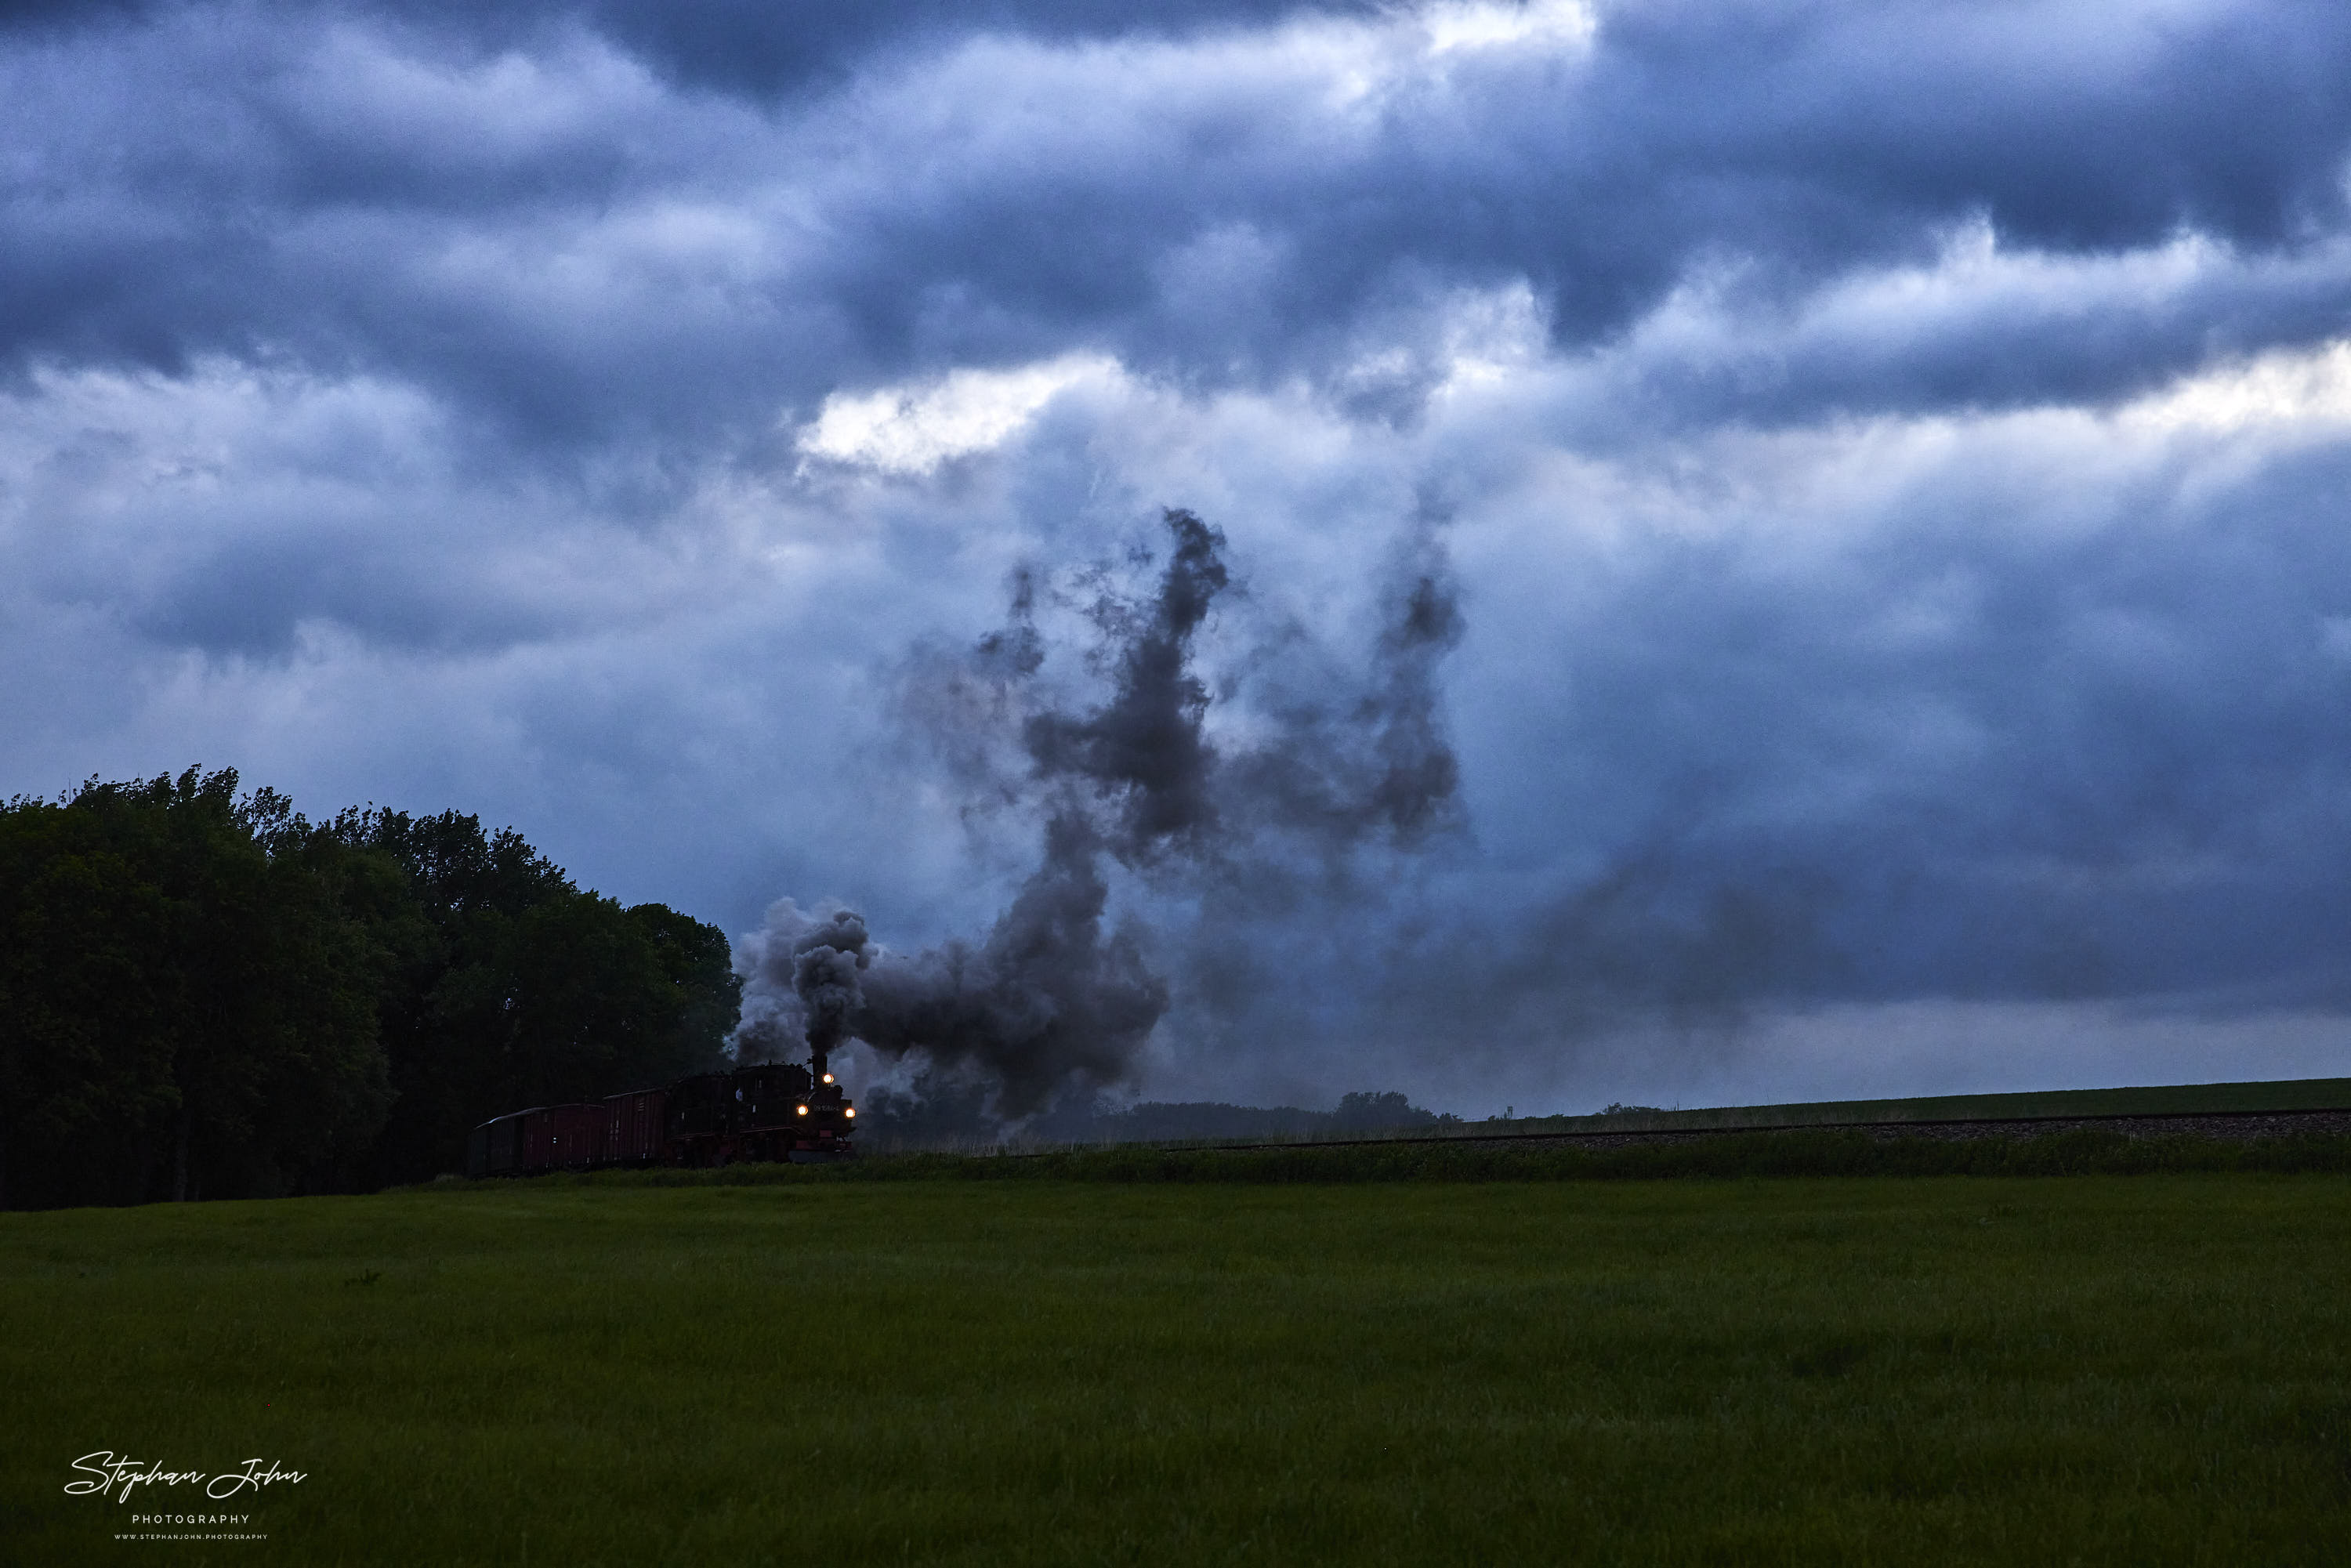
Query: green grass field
{"points": [[2102, 1369]]}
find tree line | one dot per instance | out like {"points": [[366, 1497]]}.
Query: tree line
{"points": [[205, 994]]}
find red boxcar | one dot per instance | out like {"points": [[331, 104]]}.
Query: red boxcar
{"points": [[633, 1127], [562, 1137]]}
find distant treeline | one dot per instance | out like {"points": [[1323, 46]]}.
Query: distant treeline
{"points": [[1155, 1121], [204, 994]]}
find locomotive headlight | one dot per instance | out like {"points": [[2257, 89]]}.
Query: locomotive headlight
{"points": [[828, 1078], [803, 1110], [850, 1112]]}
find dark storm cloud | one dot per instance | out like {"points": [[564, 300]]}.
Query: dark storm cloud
{"points": [[2025, 761], [744, 45], [2038, 761], [436, 381], [1789, 145], [747, 45], [520, 217], [2111, 329]]}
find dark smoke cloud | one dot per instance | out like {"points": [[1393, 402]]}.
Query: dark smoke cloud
{"points": [[1053, 998], [1142, 750], [827, 963], [1366, 759], [1674, 932], [1047, 999]]}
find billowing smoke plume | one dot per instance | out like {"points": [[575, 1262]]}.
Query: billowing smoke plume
{"points": [[1045, 1000], [1057, 996], [827, 960], [1142, 751], [1358, 759]]}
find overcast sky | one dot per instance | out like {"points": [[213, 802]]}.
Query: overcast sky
{"points": [[1891, 462]]}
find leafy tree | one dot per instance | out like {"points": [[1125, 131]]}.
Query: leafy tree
{"points": [[88, 1019], [187, 1004], [527, 990], [207, 995]]}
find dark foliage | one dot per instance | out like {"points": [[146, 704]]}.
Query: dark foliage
{"points": [[520, 990], [207, 995]]}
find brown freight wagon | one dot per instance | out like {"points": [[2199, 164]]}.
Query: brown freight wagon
{"points": [[562, 1137], [494, 1148], [634, 1127], [543, 1138]]}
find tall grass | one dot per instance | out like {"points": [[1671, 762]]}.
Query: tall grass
{"points": [[1046, 1371], [1716, 1156]]}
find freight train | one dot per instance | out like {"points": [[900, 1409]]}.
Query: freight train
{"points": [[778, 1111]]}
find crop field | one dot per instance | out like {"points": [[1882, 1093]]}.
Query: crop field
{"points": [[1951, 1369], [2173, 1098]]}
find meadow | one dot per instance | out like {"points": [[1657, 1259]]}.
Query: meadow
{"points": [[2141, 1369]]}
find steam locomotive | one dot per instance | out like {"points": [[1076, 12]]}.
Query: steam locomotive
{"points": [[778, 1111]]}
